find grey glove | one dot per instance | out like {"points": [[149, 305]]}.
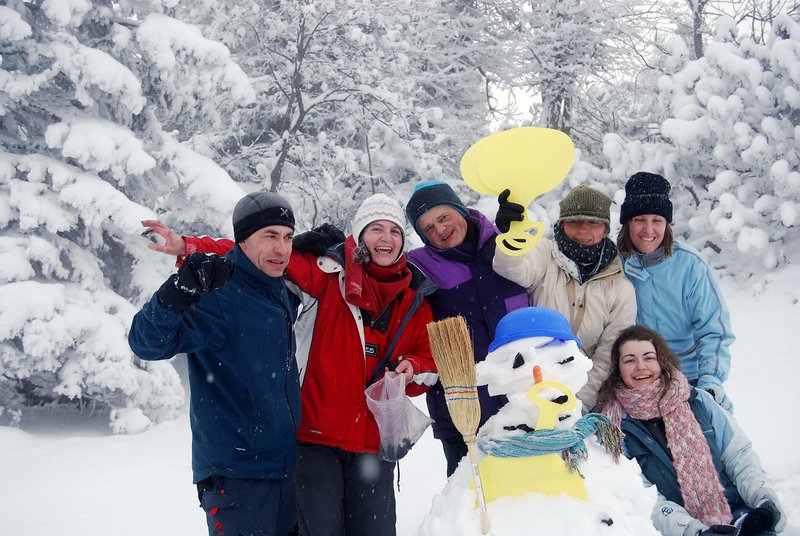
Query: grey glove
{"points": [[713, 386], [200, 272]]}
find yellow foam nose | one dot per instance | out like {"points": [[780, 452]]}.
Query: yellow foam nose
{"points": [[529, 161]]}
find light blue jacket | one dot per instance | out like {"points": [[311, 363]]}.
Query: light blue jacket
{"points": [[738, 466], [680, 299]]}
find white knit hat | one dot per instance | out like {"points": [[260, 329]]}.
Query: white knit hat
{"points": [[378, 207]]}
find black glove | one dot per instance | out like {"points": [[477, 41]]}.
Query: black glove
{"points": [[716, 530], [507, 212], [754, 522], [200, 272], [318, 240], [774, 510]]}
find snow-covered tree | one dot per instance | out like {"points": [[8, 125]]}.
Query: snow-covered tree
{"points": [[729, 144], [95, 99], [353, 97]]}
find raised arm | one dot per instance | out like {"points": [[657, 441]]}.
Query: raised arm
{"points": [[167, 324], [181, 246]]}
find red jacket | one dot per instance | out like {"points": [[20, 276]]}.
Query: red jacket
{"points": [[333, 344]]}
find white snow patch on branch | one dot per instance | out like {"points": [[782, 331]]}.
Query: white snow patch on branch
{"points": [[12, 27]]}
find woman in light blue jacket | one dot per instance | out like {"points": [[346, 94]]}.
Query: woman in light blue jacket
{"points": [[709, 480], [676, 292]]}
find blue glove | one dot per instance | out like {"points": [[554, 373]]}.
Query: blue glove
{"points": [[713, 386], [200, 272]]}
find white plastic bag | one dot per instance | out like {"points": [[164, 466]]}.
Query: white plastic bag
{"points": [[399, 421]]}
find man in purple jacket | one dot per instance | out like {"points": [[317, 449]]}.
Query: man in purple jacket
{"points": [[457, 256]]}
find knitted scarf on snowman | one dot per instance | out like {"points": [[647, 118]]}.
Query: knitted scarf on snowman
{"points": [[569, 443], [702, 493]]}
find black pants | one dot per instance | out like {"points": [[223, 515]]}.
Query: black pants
{"points": [[454, 450], [248, 506], [342, 493]]}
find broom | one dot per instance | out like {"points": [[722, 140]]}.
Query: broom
{"points": [[451, 346]]}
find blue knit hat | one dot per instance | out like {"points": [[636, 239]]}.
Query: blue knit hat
{"points": [[428, 195], [532, 322]]}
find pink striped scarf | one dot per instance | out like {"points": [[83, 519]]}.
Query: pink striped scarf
{"points": [[702, 493]]}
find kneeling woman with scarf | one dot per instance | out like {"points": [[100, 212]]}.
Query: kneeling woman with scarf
{"points": [[708, 478]]}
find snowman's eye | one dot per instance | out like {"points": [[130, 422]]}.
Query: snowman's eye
{"points": [[567, 360], [518, 361]]}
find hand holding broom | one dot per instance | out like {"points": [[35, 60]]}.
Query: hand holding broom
{"points": [[451, 346]]}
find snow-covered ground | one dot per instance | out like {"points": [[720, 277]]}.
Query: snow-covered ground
{"points": [[65, 477]]}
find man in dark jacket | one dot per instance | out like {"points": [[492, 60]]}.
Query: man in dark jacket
{"points": [[457, 256], [236, 327]]}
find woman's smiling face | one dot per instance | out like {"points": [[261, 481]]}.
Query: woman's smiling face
{"points": [[647, 232], [638, 364], [384, 240]]}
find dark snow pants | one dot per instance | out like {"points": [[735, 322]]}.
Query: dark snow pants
{"points": [[342, 493], [248, 506], [454, 451]]}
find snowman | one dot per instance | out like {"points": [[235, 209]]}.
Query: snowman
{"points": [[545, 468]]}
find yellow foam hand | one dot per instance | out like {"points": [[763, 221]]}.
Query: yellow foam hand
{"points": [[529, 161]]}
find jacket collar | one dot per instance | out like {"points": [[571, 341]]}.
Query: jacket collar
{"points": [[252, 276]]}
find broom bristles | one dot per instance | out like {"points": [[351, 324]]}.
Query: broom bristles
{"points": [[451, 346]]}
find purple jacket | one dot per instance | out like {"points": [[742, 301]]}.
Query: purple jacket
{"points": [[468, 287]]}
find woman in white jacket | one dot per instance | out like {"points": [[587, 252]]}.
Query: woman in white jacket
{"points": [[578, 274]]}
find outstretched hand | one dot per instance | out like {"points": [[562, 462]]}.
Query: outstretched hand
{"points": [[508, 212], [174, 244]]}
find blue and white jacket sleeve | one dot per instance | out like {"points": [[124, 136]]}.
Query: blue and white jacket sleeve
{"points": [[671, 519], [711, 324], [159, 332], [741, 463]]}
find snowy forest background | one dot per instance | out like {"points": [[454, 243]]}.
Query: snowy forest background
{"points": [[116, 111]]}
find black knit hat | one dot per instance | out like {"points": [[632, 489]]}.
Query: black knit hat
{"points": [[260, 209], [646, 193], [428, 195], [585, 203]]}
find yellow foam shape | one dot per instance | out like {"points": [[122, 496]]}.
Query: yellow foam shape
{"points": [[543, 474], [529, 161], [502, 477], [549, 411]]}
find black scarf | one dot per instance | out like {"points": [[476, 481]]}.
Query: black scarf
{"points": [[590, 260]]}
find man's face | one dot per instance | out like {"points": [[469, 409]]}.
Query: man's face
{"points": [[269, 249], [443, 226]]}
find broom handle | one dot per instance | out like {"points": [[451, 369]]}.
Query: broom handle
{"points": [[473, 460]]}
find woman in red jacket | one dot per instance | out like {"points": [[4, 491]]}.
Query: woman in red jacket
{"points": [[364, 310]]}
